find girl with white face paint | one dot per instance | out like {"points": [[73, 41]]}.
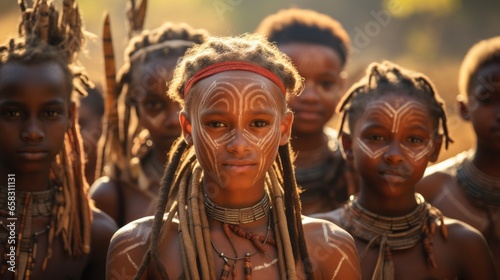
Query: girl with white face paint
{"points": [[229, 190], [394, 116]]}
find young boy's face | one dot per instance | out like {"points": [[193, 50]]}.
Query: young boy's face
{"points": [[321, 68], [236, 121], [35, 113], [157, 113], [391, 144], [483, 108]]}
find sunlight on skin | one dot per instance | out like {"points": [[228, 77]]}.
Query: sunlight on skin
{"points": [[254, 97]]}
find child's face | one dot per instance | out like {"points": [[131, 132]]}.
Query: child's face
{"points": [[391, 144], [35, 113], [157, 113], [236, 121], [321, 68], [483, 108]]}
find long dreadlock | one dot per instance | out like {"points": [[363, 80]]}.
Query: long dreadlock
{"points": [[47, 38], [170, 41], [385, 78], [183, 174]]}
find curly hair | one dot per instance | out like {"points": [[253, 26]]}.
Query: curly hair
{"points": [[175, 190], [306, 26], [482, 54], [385, 78], [47, 38]]}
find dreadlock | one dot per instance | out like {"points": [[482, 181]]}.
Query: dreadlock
{"points": [[167, 41], [47, 38], [306, 26], [481, 55], [183, 174], [385, 78]]}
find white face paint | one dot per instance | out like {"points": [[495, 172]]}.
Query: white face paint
{"points": [[398, 116], [236, 129]]}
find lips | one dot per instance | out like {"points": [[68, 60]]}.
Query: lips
{"points": [[239, 166], [394, 177], [32, 153]]}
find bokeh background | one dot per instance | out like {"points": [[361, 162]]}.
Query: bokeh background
{"points": [[430, 36]]}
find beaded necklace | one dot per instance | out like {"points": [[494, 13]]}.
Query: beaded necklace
{"points": [[29, 205], [230, 219], [394, 233]]}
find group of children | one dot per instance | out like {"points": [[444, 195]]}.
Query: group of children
{"points": [[214, 150]]}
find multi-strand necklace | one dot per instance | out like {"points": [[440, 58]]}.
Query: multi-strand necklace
{"points": [[231, 219], [393, 233], [481, 188], [29, 205]]}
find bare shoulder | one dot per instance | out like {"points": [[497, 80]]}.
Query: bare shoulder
{"points": [[103, 226], [334, 216], [103, 186], [127, 249], [471, 249], [104, 193], [331, 250], [432, 185]]}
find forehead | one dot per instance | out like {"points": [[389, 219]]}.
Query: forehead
{"points": [[38, 74], [17, 78], [320, 57], [156, 66], [237, 85], [486, 78], [393, 108]]}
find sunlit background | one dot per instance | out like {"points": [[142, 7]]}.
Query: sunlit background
{"points": [[430, 36]]}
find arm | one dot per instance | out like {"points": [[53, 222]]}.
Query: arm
{"points": [[104, 193], [103, 228], [331, 250], [127, 249]]}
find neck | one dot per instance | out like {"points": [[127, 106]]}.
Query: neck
{"points": [[487, 161], [387, 206], [27, 182], [310, 149]]}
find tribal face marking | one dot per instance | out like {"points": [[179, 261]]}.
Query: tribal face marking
{"points": [[399, 118], [236, 119]]}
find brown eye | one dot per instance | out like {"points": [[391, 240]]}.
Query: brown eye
{"points": [[259, 123]]}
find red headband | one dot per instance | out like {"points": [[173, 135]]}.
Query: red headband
{"points": [[232, 66]]}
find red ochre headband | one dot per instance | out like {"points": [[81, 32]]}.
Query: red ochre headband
{"points": [[232, 66]]}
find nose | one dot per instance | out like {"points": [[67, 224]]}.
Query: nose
{"points": [[239, 142], [310, 93], [33, 130], [394, 155]]}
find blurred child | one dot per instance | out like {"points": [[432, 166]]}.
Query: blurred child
{"points": [[467, 186], [51, 231], [318, 46], [149, 123], [394, 117], [229, 190], [90, 114]]}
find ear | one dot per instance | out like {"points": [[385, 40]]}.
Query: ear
{"points": [[286, 128], [463, 109], [71, 114], [438, 142], [346, 146], [186, 127]]}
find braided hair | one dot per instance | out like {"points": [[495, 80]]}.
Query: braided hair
{"points": [[179, 182], [385, 78], [46, 37], [167, 41], [481, 55], [306, 26]]}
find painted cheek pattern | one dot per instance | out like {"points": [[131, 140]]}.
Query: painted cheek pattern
{"points": [[253, 96], [396, 117]]}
